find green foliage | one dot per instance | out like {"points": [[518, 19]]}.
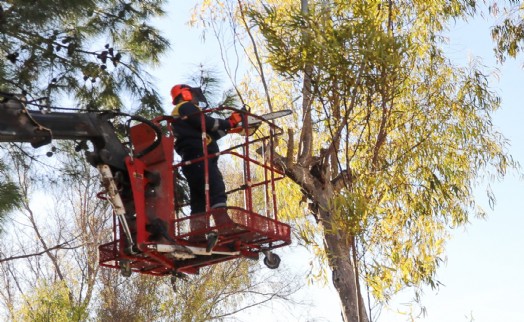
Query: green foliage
{"points": [[413, 131], [10, 196], [509, 34], [217, 292], [91, 51], [50, 302]]}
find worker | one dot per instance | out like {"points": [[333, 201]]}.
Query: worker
{"points": [[188, 144]]}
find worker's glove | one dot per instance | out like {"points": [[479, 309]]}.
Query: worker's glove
{"points": [[235, 119], [236, 130]]}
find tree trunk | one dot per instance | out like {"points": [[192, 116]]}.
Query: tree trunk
{"points": [[344, 278], [337, 242]]}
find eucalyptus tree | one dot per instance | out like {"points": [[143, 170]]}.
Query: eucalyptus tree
{"points": [[508, 33], [393, 137]]}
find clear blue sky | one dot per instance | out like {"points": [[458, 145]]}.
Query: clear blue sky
{"points": [[483, 274]]}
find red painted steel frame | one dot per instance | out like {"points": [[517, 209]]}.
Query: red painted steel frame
{"points": [[159, 219]]}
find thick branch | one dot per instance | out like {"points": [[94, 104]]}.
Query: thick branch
{"points": [[306, 135], [343, 179]]}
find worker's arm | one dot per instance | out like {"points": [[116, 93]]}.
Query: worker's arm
{"points": [[221, 126], [194, 115]]}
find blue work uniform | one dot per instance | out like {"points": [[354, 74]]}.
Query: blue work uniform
{"points": [[188, 144]]}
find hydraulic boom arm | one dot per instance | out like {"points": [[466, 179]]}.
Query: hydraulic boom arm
{"points": [[109, 154], [18, 124]]}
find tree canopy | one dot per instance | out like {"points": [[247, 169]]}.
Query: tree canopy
{"points": [[394, 137], [10, 196], [92, 52]]}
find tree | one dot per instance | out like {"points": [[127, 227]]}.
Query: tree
{"points": [[49, 265], [51, 247], [54, 254], [91, 51], [10, 196], [393, 137], [50, 303], [509, 34]]}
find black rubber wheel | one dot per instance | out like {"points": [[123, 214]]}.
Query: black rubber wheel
{"points": [[272, 261]]}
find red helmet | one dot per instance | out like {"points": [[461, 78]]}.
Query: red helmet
{"points": [[181, 89]]}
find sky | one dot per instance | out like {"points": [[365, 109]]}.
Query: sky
{"points": [[482, 276]]}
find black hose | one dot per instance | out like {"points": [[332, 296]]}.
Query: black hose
{"points": [[153, 126]]}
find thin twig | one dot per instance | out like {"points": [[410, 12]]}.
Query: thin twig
{"points": [[59, 246]]}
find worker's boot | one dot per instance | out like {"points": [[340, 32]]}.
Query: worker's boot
{"points": [[220, 216], [198, 227]]}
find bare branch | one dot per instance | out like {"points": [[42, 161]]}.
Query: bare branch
{"points": [[47, 250], [257, 55]]}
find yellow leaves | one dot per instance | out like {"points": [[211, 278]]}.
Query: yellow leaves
{"points": [[410, 263], [378, 74], [207, 10], [348, 214], [405, 238], [50, 302]]}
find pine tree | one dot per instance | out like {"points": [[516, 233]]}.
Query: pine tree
{"points": [[92, 52], [10, 196]]}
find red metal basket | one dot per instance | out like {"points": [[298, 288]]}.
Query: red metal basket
{"points": [[161, 240]]}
